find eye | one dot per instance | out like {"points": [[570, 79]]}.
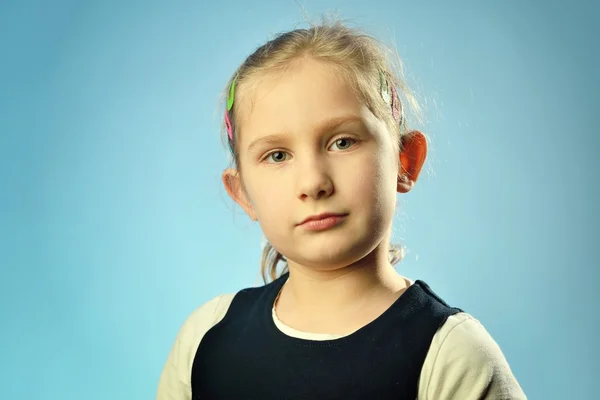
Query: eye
{"points": [[276, 157], [343, 143]]}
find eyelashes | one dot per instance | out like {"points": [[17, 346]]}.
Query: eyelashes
{"points": [[349, 140], [270, 160], [278, 156]]}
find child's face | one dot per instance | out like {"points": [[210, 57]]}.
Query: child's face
{"points": [[294, 166]]}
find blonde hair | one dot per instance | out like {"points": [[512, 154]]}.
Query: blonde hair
{"points": [[357, 57]]}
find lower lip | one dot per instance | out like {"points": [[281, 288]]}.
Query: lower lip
{"points": [[322, 224]]}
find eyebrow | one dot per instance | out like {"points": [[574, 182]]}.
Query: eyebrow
{"points": [[327, 125]]}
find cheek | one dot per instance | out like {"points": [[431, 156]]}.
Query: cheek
{"points": [[267, 197], [373, 180]]}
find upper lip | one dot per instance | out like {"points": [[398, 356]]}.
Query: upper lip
{"points": [[321, 216]]}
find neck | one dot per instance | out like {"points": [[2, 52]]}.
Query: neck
{"points": [[346, 288]]}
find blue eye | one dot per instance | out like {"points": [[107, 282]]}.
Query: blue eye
{"points": [[277, 157], [344, 143]]}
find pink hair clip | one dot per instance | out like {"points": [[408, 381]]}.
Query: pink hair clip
{"points": [[395, 101], [228, 126]]}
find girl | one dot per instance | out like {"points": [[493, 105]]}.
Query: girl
{"points": [[316, 125]]}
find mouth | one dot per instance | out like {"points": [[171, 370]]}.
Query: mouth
{"points": [[322, 221]]}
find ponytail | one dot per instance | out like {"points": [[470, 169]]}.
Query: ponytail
{"points": [[269, 262], [271, 259]]}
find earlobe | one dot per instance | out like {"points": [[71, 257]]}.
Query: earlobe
{"points": [[404, 184], [234, 188], [412, 158]]}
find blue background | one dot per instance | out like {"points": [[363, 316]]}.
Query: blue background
{"points": [[114, 225]]}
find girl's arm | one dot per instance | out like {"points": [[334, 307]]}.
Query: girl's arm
{"points": [[464, 362], [175, 380]]}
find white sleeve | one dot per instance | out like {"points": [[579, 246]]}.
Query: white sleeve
{"points": [[175, 380], [464, 363]]}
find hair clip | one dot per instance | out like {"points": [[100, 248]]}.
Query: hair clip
{"points": [[390, 96], [228, 124], [395, 104], [384, 87], [231, 94]]}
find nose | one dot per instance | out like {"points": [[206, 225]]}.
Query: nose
{"points": [[314, 180]]}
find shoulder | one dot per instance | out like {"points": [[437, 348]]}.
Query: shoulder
{"points": [[175, 378], [206, 316], [199, 322], [464, 362]]}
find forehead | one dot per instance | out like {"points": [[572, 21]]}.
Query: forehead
{"points": [[296, 100]]}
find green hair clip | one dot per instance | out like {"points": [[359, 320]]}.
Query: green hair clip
{"points": [[384, 87], [231, 94]]}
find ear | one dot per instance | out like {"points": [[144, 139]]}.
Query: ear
{"points": [[233, 185], [412, 158]]}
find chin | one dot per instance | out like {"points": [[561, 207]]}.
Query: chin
{"points": [[331, 257]]}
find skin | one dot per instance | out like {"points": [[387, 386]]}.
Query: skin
{"points": [[308, 145]]}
